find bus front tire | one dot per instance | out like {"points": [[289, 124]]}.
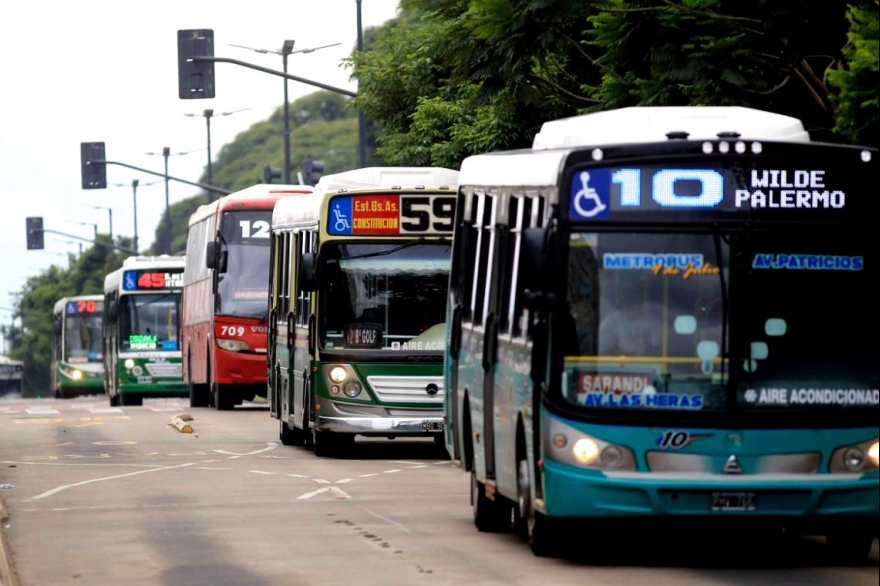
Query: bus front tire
{"points": [[849, 547], [288, 436], [491, 516]]}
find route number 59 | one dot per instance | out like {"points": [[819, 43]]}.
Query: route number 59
{"points": [[427, 214]]}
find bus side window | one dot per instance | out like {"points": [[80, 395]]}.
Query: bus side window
{"points": [[525, 218], [467, 255], [485, 208]]}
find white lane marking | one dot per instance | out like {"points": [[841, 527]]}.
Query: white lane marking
{"points": [[391, 522], [343, 481], [367, 475], [261, 472], [298, 476], [414, 467], [321, 480], [234, 455], [209, 461], [277, 457], [42, 411], [442, 462], [390, 471], [105, 410], [58, 489], [340, 494]]}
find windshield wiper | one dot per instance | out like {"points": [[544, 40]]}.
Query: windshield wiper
{"points": [[407, 244], [719, 260]]}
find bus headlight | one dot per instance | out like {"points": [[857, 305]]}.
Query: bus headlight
{"points": [[858, 458], [233, 345], [564, 443], [337, 374], [129, 363], [76, 375], [352, 389]]}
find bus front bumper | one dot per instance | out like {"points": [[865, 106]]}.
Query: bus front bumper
{"points": [[811, 500]]}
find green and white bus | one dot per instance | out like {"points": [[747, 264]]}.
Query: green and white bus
{"points": [[142, 356], [77, 366], [667, 314], [359, 277]]}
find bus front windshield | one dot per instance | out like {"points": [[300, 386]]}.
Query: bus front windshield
{"points": [[385, 296], [149, 322], [82, 338], [242, 290], [662, 321]]}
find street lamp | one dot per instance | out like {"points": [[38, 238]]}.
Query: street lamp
{"points": [[286, 50], [110, 212], [208, 114], [166, 152], [87, 224]]}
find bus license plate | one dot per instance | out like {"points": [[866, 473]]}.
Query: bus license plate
{"points": [[733, 501], [432, 426]]}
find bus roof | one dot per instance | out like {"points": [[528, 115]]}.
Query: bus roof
{"points": [[112, 280], [540, 166], [400, 177], [653, 123], [249, 197], [61, 303]]}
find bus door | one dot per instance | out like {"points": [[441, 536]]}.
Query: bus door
{"points": [[487, 285]]}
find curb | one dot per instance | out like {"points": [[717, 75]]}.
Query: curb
{"points": [[8, 576]]}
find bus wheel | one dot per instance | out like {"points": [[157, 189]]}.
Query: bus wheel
{"points": [[328, 444], [542, 537], [198, 394], [224, 399], [114, 399], [131, 400], [491, 516], [849, 547], [523, 499]]}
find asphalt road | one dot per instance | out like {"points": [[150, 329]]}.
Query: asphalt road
{"points": [[117, 496]]}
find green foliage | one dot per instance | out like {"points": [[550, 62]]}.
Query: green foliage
{"points": [[857, 80], [31, 338]]}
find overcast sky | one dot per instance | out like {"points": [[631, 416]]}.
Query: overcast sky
{"points": [[106, 71]]}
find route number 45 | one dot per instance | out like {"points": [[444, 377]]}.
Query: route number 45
{"points": [[231, 330]]}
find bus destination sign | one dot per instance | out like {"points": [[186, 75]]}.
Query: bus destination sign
{"points": [[84, 307], [391, 214], [717, 191], [152, 279]]}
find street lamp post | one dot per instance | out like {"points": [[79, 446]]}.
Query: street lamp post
{"points": [[285, 52], [134, 192], [110, 212], [166, 151], [362, 123], [207, 115]]}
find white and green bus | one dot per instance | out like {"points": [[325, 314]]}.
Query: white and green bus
{"points": [[664, 316], [142, 356], [359, 277], [77, 366]]}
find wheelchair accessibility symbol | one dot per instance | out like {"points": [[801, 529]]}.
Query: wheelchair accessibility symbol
{"points": [[586, 201], [341, 223]]}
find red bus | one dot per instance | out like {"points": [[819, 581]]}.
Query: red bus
{"points": [[225, 296]]}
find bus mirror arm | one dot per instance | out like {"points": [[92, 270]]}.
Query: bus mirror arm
{"points": [[223, 261], [111, 309], [538, 371]]}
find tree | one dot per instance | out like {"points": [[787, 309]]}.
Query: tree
{"points": [[458, 77]]}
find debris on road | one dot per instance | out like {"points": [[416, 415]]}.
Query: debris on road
{"points": [[179, 422]]}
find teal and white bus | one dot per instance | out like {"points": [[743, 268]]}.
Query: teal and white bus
{"points": [[359, 278], [668, 314], [142, 356], [77, 366]]}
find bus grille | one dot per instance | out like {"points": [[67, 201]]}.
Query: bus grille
{"points": [[164, 370], [407, 389]]}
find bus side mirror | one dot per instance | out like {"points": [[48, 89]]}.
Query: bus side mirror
{"points": [[307, 271], [534, 271], [111, 309], [56, 326], [211, 255]]}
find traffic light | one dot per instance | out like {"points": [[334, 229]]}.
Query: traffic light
{"points": [[310, 169], [195, 79], [34, 233], [94, 174], [270, 173]]}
